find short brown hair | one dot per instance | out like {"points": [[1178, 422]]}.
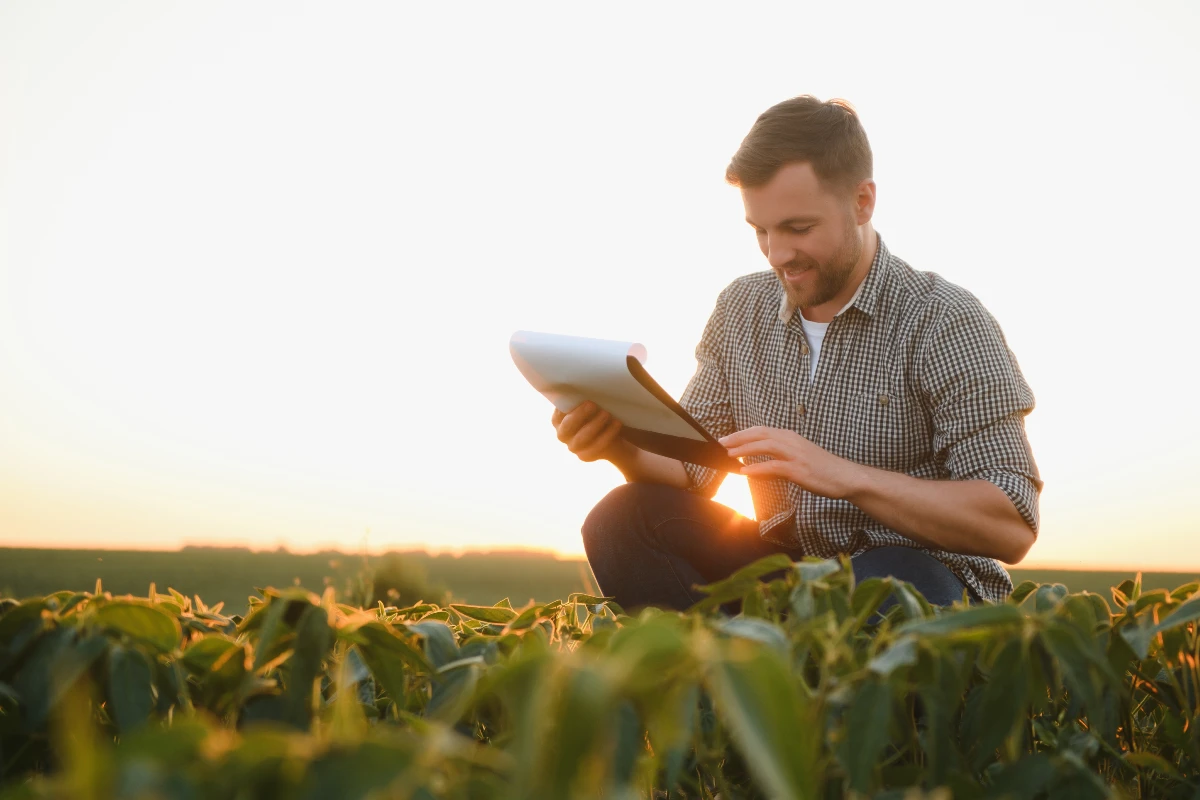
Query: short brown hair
{"points": [[827, 135]]}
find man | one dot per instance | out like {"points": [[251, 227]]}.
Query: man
{"points": [[878, 409]]}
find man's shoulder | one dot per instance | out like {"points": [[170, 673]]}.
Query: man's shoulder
{"points": [[928, 295]]}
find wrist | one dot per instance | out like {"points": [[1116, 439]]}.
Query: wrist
{"points": [[624, 456], [853, 483]]}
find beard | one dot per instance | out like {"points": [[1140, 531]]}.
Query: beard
{"points": [[832, 274]]}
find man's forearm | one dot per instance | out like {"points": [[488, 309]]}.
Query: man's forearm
{"points": [[973, 517], [640, 466]]}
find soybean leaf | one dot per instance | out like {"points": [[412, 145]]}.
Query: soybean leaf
{"points": [[130, 691], [760, 630], [56, 661], [1048, 596], [202, 655], [485, 613], [816, 570], [1139, 634], [314, 639], [866, 731], [355, 773], [1022, 590], [580, 720], [1004, 699], [902, 653], [1152, 762], [440, 646], [454, 689], [1188, 612], [736, 585], [867, 598], [771, 721], [1027, 777], [145, 623], [953, 622]]}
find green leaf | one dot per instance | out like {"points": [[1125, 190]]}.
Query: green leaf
{"points": [[580, 721], [55, 662], [386, 654], [440, 647], [485, 613], [866, 732], [1048, 596], [958, 621], [203, 655], [772, 723], [913, 603], [1154, 763], [1025, 778], [1021, 591], [1139, 634], [314, 639], [1188, 612], [144, 623], [130, 690], [356, 773], [811, 570], [759, 630], [902, 653], [736, 585], [1004, 699], [867, 598], [454, 690]]}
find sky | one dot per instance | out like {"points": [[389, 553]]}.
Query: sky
{"points": [[260, 262]]}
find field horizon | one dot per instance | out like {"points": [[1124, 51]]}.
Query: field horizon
{"points": [[231, 574]]}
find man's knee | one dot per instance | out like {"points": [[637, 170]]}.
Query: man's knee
{"points": [[623, 511], [613, 512]]}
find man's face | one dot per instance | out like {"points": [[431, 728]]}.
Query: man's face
{"points": [[810, 235]]}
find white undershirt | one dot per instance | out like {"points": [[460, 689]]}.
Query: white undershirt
{"points": [[815, 333]]}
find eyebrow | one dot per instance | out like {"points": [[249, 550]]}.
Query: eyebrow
{"points": [[790, 221]]}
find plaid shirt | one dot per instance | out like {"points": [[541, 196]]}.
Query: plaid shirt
{"points": [[914, 376]]}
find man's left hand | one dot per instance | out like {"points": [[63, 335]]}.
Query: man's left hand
{"points": [[794, 459]]}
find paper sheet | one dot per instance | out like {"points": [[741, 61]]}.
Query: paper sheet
{"points": [[571, 369]]}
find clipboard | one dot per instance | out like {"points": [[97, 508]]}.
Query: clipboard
{"points": [[568, 370]]}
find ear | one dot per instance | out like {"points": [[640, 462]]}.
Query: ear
{"points": [[864, 202]]}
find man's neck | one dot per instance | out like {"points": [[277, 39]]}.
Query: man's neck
{"points": [[834, 306]]}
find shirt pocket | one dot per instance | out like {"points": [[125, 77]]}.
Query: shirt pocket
{"points": [[888, 429]]}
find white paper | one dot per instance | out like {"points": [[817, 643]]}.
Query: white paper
{"points": [[571, 369]]}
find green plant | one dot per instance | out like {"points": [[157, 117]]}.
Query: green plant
{"points": [[815, 689]]}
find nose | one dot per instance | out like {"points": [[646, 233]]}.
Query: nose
{"points": [[777, 251]]}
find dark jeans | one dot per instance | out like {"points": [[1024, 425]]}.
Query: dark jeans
{"points": [[649, 544]]}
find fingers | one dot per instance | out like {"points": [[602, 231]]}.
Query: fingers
{"points": [[602, 442], [747, 435], [586, 436], [576, 418], [587, 430], [763, 447], [763, 469]]}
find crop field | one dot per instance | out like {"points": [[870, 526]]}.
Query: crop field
{"points": [[230, 575], [809, 686]]}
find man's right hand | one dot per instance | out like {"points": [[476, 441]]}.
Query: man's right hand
{"points": [[591, 433]]}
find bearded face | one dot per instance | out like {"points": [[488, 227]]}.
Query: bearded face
{"points": [[813, 236], [809, 282]]}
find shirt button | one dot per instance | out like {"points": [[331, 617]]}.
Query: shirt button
{"points": [[883, 399], [803, 349], [800, 409]]}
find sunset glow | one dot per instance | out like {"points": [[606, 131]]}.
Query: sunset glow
{"points": [[259, 263]]}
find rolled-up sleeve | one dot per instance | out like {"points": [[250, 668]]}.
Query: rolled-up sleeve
{"points": [[978, 400], [706, 398]]}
